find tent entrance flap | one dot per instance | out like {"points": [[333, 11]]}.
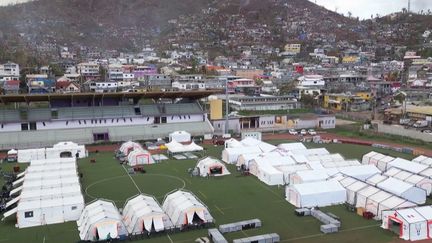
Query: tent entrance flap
{"points": [[148, 224], [107, 231], [190, 217], [395, 225], [216, 170], [158, 224]]}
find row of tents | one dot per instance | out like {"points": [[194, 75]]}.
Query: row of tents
{"points": [[47, 192], [142, 214]]}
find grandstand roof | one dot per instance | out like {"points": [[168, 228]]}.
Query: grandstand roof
{"points": [[133, 95]]}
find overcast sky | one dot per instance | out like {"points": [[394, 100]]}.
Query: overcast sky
{"points": [[6, 2], [364, 8]]}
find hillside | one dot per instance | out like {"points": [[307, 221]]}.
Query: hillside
{"points": [[222, 26]]}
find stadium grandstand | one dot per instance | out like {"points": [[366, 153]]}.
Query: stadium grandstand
{"points": [[95, 117]]}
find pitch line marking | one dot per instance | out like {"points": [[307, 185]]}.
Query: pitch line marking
{"points": [[139, 190], [220, 210], [170, 238], [202, 194]]}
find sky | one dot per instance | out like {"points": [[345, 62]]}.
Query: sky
{"points": [[7, 2], [364, 8]]}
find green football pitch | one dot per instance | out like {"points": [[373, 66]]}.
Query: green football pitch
{"points": [[230, 198]]}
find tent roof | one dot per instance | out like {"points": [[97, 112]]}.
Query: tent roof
{"points": [[425, 211], [393, 202], [394, 186], [312, 175], [410, 215], [292, 146], [368, 191], [359, 170], [408, 165], [375, 179], [318, 187]]}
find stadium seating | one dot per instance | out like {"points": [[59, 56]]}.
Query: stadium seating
{"points": [[182, 108], [9, 116], [39, 114], [149, 110]]}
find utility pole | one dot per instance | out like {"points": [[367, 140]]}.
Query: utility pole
{"points": [[409, 6], [226, 107]]}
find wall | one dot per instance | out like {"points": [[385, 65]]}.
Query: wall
{"points": [[216, 109], [398, 130]]}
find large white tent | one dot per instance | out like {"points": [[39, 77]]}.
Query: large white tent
{"points": [[414, 179], [308, 176], [292, 146], [99, 221], [129, 146], [407, 165], [180, 136], [266, 173], [143, 213], [59, 150], [352, 191], [410, 224], [66, 150], [184, 209], [139, 157], [27, 155], [248, 145], [361, 172], [403, 190], [375, 179], [232, 143], [176, 147], [211, 167], [423, 160], [393, 203], [373, 202], [364, 194], [316, 194], [49, 193]]}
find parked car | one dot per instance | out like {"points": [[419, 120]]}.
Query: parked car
{"points": [[303, 132], [292, 132], [427, 132], [312, 132], [420, 124]]}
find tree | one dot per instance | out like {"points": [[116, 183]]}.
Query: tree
{"points": [[286, 88], [349, 14], [56, 70], [307, 100]]}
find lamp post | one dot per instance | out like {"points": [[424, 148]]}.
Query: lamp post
{"points": [[226, 106]]}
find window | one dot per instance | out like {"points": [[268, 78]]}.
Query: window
{"points": [[24, 127], [33, 126], [74, 208], [28, 214]]}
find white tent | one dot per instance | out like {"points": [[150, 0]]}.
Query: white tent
{"points": [[129, 146], [360, 172], [140, 157], [232, 143], [407, 165], [176, 147], [289, 170], [100, 221], [423, 160], [364, 194], [393, 203], [180, 136], [375, 179], [382, 163], [292, 146], [316, 194], [403, 190], [367, 157], [266, 173], [352, 191], [308, 176], [183, 208], [410, 224], [373, 202], [143, 213], [211, 167], [66, 150], [231, 155], [27, 155], [414, 179]]}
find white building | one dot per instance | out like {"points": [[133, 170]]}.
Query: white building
{"points": [[9, 71], [88, 69]]}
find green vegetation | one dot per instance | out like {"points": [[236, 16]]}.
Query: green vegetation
{"points": [[230, 198], [354, 131]]}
